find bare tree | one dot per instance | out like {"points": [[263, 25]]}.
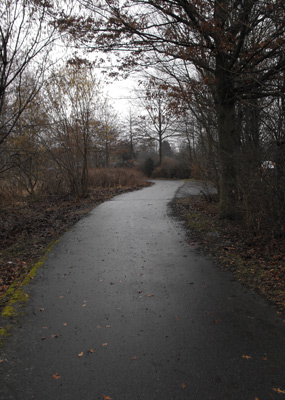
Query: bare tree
{"points": [[131, 130], [25, 40], [25, 158], [73, 101], [107, 131], [159, 119]]}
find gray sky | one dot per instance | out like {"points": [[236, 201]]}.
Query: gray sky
{"points": [[121, 95]]}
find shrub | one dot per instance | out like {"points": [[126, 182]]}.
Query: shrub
{"points": [[114, 177], [262, 203], [171, 169], [148, 167], [9, 192]]}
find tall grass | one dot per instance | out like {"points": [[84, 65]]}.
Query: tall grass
{"points": [[114, 177], [53, 183]]}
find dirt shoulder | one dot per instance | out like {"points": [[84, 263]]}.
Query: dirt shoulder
{"points": [[257, 261], [27, 229]]}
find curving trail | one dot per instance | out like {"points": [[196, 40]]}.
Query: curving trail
{"points": [[125, 309]]}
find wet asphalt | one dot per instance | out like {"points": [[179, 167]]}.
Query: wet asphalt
{"points": [[125, 309]]}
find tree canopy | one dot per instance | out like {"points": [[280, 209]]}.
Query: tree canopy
{"points": [[237, 46]]}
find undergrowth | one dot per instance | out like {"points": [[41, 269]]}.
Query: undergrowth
{"points": [[257, 261]]}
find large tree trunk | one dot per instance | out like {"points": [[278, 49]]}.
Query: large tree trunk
{"points": [[228, 147]]}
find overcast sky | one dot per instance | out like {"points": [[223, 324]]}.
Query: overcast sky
{"points": [[121, 95]]}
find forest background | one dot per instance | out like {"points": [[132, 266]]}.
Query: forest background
{"points": [[209, 105]]}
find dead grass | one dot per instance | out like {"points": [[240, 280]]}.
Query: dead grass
{"points": [[114, 177]]}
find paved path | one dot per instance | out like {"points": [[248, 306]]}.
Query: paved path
{"points": [[139, 315]]}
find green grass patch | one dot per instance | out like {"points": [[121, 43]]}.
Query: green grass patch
{"points": [[199, 222], [4, 333], [17, 297]]}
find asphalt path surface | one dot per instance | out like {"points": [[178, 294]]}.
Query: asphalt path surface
{"points": [[125, 309]]}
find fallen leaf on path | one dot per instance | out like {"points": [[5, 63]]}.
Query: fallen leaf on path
{"points": [[278, 390], [83, 305], [1, 361], [183, 386], [56, 376], [217, 321], [42, 309], [107, 398], [104, 344], [44, 327], [43, 338], [134, 358], [108, 326], [80, 354], [64, 324], [150, 295], [61, 297], [140, 274], [247, 357], [54, 336], [91, 350], [265, 358]]}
